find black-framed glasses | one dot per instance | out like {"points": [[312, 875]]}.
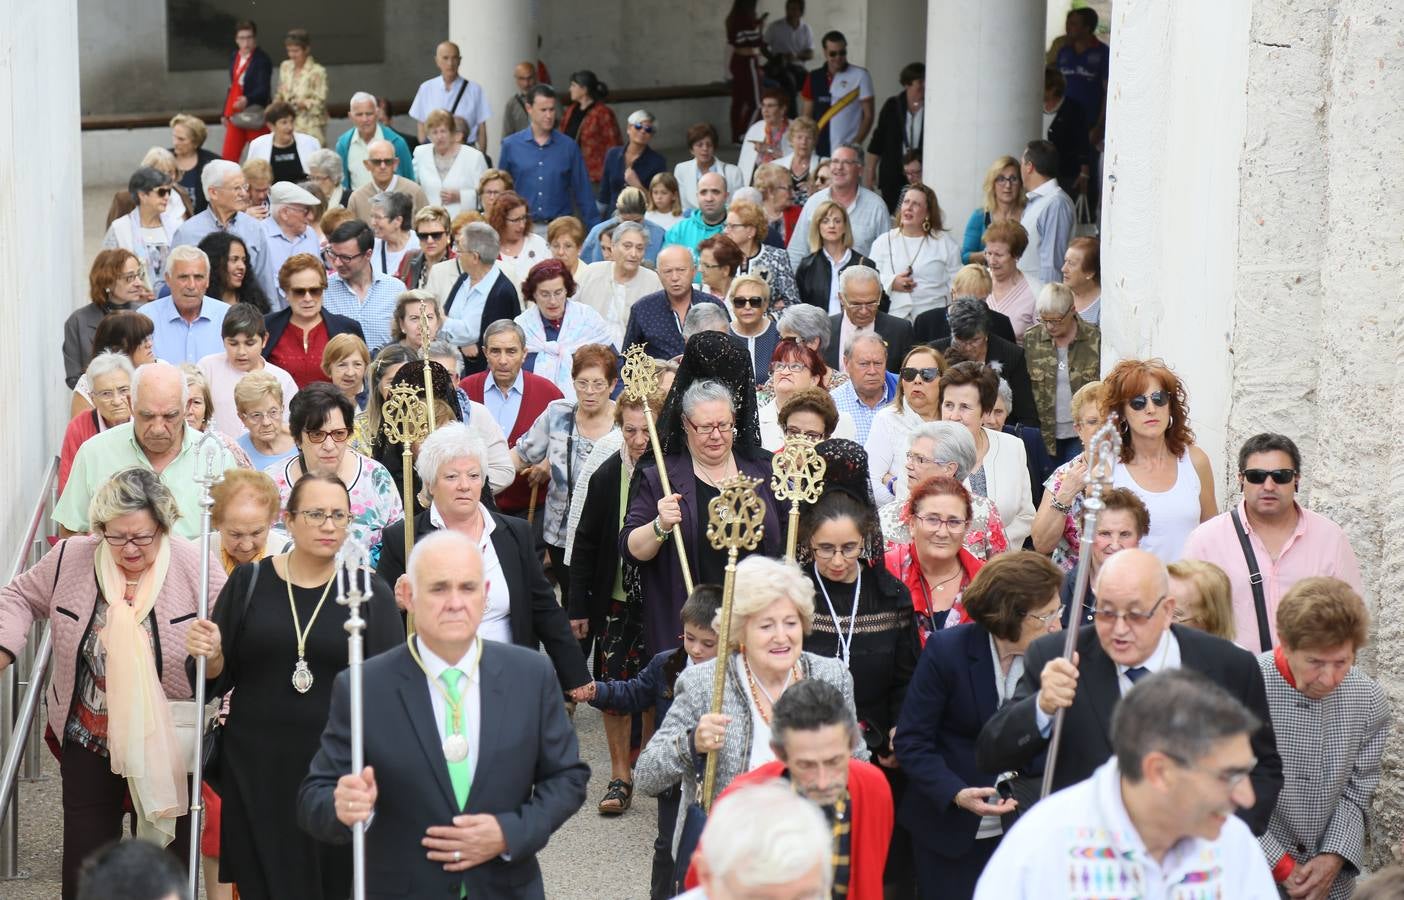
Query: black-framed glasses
{"points": [[334, 257], [753, 302], [928, 374], [339, 517], [836, 54], [1134, 618], [706, 430], [430, 235], [1159, 398], [827, 551], [1007, 179], [338, 435], [136, 540], [1279, 476], [795, 431]]}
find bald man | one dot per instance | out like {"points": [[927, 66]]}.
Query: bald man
{"points": [[707, 220], [515, 118], [656, 320], [382, 162], [1132, 636], [451, 91], [469, 739]]}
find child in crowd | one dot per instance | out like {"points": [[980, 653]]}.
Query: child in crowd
{"points": [[244, 335]]}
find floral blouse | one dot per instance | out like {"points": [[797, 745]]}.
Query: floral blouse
{"points": [[554, 436], [375, 503], [773, 264], [984, 538], [1065, 554], [306, 91]]}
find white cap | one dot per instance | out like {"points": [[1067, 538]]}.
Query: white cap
{"points": [[285, 192]]}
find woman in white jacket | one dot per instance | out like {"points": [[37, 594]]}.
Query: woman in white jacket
{"points": [[280, 117], [917, 259], [446, 168]]}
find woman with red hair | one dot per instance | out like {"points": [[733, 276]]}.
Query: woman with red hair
{"points": [[1159, 459], [519, 247], [934, 565], [793, 367], [555, 325]]}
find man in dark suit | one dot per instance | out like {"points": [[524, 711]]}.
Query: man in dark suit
{"points": [[1132, 637], [449, 822], [970, 333], [860, 292]]}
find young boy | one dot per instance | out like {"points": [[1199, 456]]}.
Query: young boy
{"points": [[653, 688], [244, 336]]}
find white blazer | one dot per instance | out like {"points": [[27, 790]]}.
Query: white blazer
{"points": [[261, 147], [1007, 485], [463, 177], [687, 175]]}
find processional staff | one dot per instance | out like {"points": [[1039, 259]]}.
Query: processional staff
{"points": [[797, 475], [353, 588], [406, 422]]}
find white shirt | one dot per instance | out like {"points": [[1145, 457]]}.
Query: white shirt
{"points": [[843, 127], [687, 174], [782, 37], [386, 261], [473, 107], [468, 165], [761, 752], [933, 260], [1082, 835], [497, 621], [469, 695], [835, 267]]}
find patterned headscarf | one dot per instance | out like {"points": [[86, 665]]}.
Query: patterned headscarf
{"points": [[711, 355], [847, 473]]}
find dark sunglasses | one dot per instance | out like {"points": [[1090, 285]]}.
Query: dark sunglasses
{"points": [[646, 129], [383, 162], [753, 302], [305, 292], [1258, 476], [429, 235], [1159, 398], [163, 192], [835, 54], [927, 373]]}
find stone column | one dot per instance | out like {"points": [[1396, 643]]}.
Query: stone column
{"points": [[496, 35], [984, 93]]}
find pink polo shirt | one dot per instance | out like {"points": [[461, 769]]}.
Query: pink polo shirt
{"points": [[1317, 547]]}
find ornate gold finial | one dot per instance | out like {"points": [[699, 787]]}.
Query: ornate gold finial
{"points": [[640, 374], [797, 475], [405, 416]]}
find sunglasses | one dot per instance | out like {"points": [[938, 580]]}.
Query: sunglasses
{"points": [[162, 192], [1279, 476], [926, 373], [836, 54], [1159, 398], [753, 302], [646, 129], [382, 162], [430, 235], [305, 292]]}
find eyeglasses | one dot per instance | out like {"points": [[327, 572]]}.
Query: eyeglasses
{"points": [[430, 235], [131, 277], [338, 435], [273, 415], [1007, 179], [121, 393], [917, 459], [753, 302], [1054, 320], [136, 540], [517, 220], [162, 192], [1133, 618], [928, 374], [1047, 620], [733, 225], [827, 551], [1279, 476], [854, 304], [1231, 778], [382, 162], [722, 428], [795, 367], [590, 387], [335, 257], [706, 265], [936, 523], [795, 431], [338, 517], [1159, 398], [646, 129], [314, 291]]}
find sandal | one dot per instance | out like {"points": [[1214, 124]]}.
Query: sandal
{"points": [[617, 798]]}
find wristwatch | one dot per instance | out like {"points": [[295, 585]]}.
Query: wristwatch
{"points": [[658, 533]]}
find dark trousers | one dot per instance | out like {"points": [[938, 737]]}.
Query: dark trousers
{"points": [[943, 878], [661, 882], [93, 809]]}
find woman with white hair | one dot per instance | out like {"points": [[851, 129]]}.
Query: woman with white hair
{"points": [[325, 171], [611, 287], [772, 611], [1064, 353], [944, 448], [110, 377], [810, 326], [391, 215], [633, 163], [521, 607]]}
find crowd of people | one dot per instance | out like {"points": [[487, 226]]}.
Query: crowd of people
{"points": [[889, 695]]}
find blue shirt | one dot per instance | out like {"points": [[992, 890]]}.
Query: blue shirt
{"points": [[280, 247], [1085, 73], [692, 231], [177, 341], [261, 462], [244, 227], [590, 250], [551, 176], [653, 323], [504, 407], [464, 320], [846, 399], [374, 313]]}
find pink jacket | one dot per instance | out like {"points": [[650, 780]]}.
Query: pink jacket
{"points": [[65, 593]]}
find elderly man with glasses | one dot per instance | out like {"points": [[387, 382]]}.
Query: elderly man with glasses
{"points": [[1132, 636], [860, 296], [381, 162], [227, 190]]}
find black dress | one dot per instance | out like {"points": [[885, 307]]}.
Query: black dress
{"points": [[273, 731]]}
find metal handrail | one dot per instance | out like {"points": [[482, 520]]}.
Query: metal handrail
{"points": [[19, 726]]}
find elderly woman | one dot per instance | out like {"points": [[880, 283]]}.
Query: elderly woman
{"points": [[587, 121], [1012, 292], [935, 566], [809, 413], [777, 202], [709, 433], [118, 603], [1058, 525], [718, 261], [1159, 459], [611, 287], [951, 807], [124, 332], [114, 284], [1122, 525], [391, 215], [246, 507], [521, 606], [188, 135], [1063, 353], [702, 146], [179, 207], [520, 248], [325, 171], [302, 84], [320, 419], [262, 407], [971, 337], [416, 320], [492, 184], [230, 277], [794, 366], [431, 231], [810, 326], [772, 613], [917, 259], [1082, 271], [268, 630], [664, 201], [970, 282], [916, 402], [802, 163], [830, 252], [344, 362], [110, 375], [298, 335], [947, 449], [146, 231], [556, 326], [1203, 597], [565, 236], [746, 225], [634, 163], [751, 324], [1004, 202], [446, 168]]}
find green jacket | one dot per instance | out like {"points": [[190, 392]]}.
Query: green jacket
{"points": [[1084, 365]]}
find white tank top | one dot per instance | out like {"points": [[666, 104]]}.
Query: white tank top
{"points": [[1173, 513]]}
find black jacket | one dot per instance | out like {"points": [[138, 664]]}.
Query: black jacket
{"points": [[1010, 740], [501, 303], [277, 323], [932, 326], [594, 559], [896, 331], [1009, 358], [889, 144], [815, 274], [1068, 133], [258, 77]]}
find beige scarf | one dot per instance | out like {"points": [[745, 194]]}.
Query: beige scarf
{"points": [[141, 740]]}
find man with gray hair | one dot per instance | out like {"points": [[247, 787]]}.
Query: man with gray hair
{"points": [[629, 206], [157, 438], [187, 323], [354, 146], [227, 191], [1155, 820], [612, 286], [380, 163], [288, 229], [869, 387], [860, 294], [656, 320], [474, 292]]}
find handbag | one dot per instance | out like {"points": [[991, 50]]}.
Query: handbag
{"points": [[188, 725], [250, 118], [694, 820]]}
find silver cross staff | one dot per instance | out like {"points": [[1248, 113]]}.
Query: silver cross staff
{"points": [[353, 587], [209, 471]]}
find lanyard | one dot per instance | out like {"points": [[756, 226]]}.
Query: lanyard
{"points": [[845, 644]]}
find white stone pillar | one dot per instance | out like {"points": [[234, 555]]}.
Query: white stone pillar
{"points": [[495, 35], [984, 64]]}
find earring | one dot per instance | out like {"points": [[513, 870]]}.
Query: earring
{"points": [[926, 224]]}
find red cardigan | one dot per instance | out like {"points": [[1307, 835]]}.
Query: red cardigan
{"points": [[537, 392], [870, 829]]}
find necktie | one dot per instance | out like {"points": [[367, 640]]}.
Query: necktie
{"points": [[459, 773], [1136, 673]]}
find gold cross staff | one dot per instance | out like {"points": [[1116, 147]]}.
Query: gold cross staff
{"points": [[406, 419], [797, 475]]}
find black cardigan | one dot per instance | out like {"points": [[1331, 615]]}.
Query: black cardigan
{"points": [[501, 303], [594, 559], [815, 273]]}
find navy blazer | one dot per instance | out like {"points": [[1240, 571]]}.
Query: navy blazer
{"points": [[950, 698], [501, 302], [258, 77], [278, 322]]}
